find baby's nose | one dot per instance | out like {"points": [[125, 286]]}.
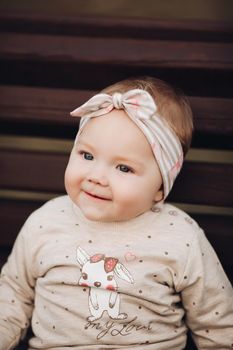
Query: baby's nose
{"points": [[97, 284], [98, 176]]}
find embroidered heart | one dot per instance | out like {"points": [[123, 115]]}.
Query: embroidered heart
{"points": [[130, 256]]}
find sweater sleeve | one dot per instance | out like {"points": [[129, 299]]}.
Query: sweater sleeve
{"points": [[207, 297], [16, 293]]}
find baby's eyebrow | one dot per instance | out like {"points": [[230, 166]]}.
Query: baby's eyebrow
{"points": [[84, 144], [129, 160]]}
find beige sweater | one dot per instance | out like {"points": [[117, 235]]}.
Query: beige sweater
{"points": [[127, 285]]}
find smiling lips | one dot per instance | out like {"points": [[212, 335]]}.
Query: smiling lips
{"points": [[95, 196]]}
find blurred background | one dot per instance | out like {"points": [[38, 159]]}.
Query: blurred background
{"points": [[211, 10]]}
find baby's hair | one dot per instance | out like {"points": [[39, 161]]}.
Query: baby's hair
{"points": [[172, 104]]}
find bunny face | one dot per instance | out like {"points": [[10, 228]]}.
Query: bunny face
{"points": [[95, 275], [104, 268]]}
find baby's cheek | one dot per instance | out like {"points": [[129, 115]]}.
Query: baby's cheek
{"points": [[68, 178], [71, 180]]}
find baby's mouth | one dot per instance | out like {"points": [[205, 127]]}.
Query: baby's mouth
{"points": [[95, 196]]}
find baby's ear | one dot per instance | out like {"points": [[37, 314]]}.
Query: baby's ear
{"points": [[158, 196]]}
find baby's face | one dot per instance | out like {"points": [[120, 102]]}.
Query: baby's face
{"points": [[112, 174]]}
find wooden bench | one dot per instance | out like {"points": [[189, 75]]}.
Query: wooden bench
{"points": [[49, 66]]}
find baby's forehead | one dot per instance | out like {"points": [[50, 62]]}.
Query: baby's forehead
{"points": [[116, 121], [115, 128], [114, 116]]}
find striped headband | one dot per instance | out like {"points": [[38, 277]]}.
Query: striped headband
{"points": [[141, 108]]}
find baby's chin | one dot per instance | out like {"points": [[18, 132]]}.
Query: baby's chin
{"points": [[103, 217], [97, 216]]}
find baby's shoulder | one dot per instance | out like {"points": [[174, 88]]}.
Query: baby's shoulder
{"points": [[50, 212], [170, 210], [177, 222]]}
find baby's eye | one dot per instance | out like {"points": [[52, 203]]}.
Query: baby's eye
{"points": [[86, 155], [124, 168]]}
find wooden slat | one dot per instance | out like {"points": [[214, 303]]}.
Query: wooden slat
{"points": [[52, 106], [117, 27], [13, 214], [116, 51], [212, 115], [33, 171], [40, 105], [204, 183], [211, 184], [218, 230]]}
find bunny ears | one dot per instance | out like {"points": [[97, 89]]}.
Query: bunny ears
{"points": [[142, 110]]}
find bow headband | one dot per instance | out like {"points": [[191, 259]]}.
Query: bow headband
{"points": [[142, 110]]}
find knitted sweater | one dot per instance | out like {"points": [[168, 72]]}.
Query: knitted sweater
{"points": [[125, 285]]}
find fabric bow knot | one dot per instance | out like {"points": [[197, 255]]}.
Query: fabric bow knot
{"points": [[137, 103]]}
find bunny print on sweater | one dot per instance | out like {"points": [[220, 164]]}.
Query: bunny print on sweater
{"points": [[98, 273]]}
